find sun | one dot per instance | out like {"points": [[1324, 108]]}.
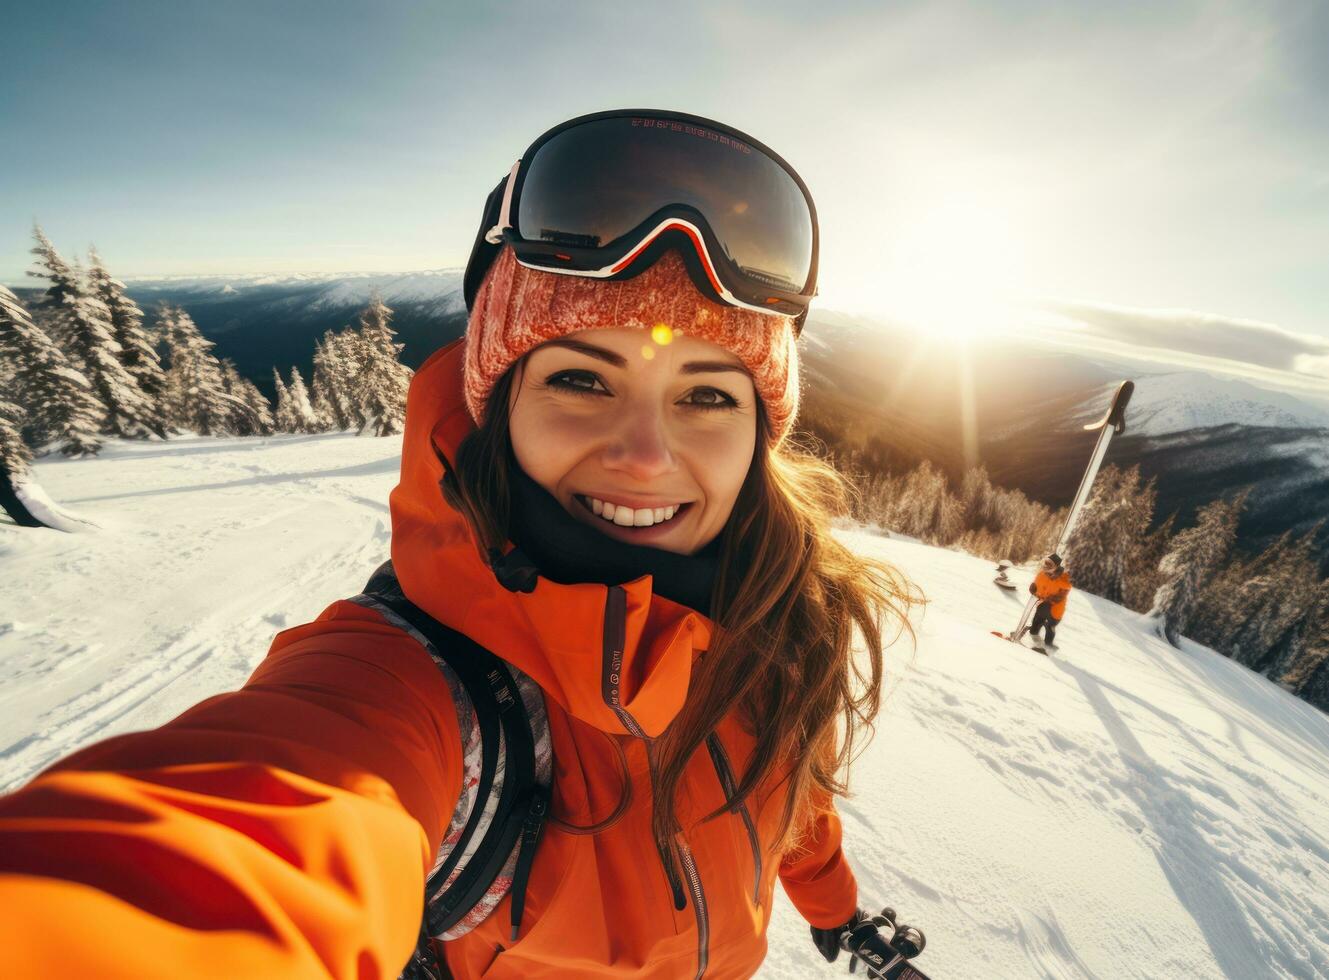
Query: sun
{"points": [[952, 267], [956, 267]]}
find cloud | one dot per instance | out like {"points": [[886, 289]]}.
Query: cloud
{"points": [[1310, 364], [1191, 332]]}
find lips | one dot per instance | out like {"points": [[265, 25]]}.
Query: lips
{"points": [[625, 516]]}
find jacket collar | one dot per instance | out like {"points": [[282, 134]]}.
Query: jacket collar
{"points": [[615, 655]]}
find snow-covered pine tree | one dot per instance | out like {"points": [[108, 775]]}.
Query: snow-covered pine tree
{"points": [[138, 352], [196, 392], [15, 466], [1249, 617], [165, 331], [1144, 578], [917, 509], [1091, 545], [284, 419], [1131, 530], [250, 414], [1307, 660], [259, 406], [338, 364], [15, 456], [1312, 621], [86, 333], [55, 396], [319, 396], [302, 410], [976, 500], [1196, 557], [1029, 528], [1109, 540], [381, 385]]}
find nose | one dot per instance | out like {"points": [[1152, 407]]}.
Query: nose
{"points": [[639, 446]]}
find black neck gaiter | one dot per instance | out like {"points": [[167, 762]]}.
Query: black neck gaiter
{"points": [[568, 552]]}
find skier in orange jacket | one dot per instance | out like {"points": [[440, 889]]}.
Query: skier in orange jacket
{"points": [[1051, 585], [595, 486]]}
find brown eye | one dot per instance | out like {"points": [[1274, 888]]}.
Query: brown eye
{"points": [[577, 383], [710, 398]]}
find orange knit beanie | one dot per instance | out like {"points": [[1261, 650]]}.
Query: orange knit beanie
{"points": [[517, 309]]}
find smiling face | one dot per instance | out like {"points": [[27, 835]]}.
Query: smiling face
{"points": [[645, 436]]}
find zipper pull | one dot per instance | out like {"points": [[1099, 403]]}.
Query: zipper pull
{"points": [[531, 826]]}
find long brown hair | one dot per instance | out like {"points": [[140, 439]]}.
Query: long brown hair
{"points": [[787, 600]]}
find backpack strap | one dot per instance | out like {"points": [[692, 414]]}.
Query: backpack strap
{"points": [[510, 757]]}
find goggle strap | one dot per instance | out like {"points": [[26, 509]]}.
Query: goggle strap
{"points": [[494, 235]]}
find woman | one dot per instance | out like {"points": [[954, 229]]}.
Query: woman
{"points": [[596, 487]]}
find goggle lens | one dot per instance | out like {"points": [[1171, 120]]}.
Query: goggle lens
{"points": [[591, 184]]}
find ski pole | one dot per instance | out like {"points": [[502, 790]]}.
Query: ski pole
{"points": [[1113, 423]]}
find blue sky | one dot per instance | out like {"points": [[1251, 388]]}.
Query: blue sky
{"points": [[1140, 155]]}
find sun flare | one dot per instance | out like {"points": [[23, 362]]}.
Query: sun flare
{"points": [[952, 266], [956, 267]]}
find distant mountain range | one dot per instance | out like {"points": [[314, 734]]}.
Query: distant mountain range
{"points": [[1199, 436], [266, 321], [899, 396], [1180, 401]]}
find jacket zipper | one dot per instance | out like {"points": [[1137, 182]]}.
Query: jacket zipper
{"points": [[614, 640], [537, 809], [698, 904], [722, 769]]}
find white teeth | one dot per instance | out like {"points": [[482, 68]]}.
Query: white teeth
{"points": [[631, 517]]}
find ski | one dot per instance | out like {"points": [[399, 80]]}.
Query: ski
{"points": [[1112, 423], [1006, 636]]}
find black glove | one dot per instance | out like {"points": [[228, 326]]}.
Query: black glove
{"points": [[827, 941], [1032, 590], [876, 940]]}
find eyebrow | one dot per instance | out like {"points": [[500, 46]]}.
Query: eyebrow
{"points": [[590, 350], [702, 367], [617, 360]]}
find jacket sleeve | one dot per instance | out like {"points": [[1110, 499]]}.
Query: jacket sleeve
{"points": [[282, 830], [815, 874]]}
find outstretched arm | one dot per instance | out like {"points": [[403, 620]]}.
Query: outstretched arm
{"points": [[284, 829], [816, 876]]}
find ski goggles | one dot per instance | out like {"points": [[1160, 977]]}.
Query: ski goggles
{"points": [[605, 195]]}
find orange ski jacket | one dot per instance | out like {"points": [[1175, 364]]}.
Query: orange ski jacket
{"points": [[285, 829], [1054, 589]]}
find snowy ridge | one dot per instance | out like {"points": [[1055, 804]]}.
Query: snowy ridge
{"points": [[417, 287], [1119, 810], [339, 289], [1184, 400]]}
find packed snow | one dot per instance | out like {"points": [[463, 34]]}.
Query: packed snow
{"points": [[1121, 809]]}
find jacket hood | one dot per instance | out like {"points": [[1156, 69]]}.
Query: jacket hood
{"points": [[602, 652]]}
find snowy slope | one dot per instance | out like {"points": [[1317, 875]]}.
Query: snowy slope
{"points": [[1121, 810], [1183, 400]]}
